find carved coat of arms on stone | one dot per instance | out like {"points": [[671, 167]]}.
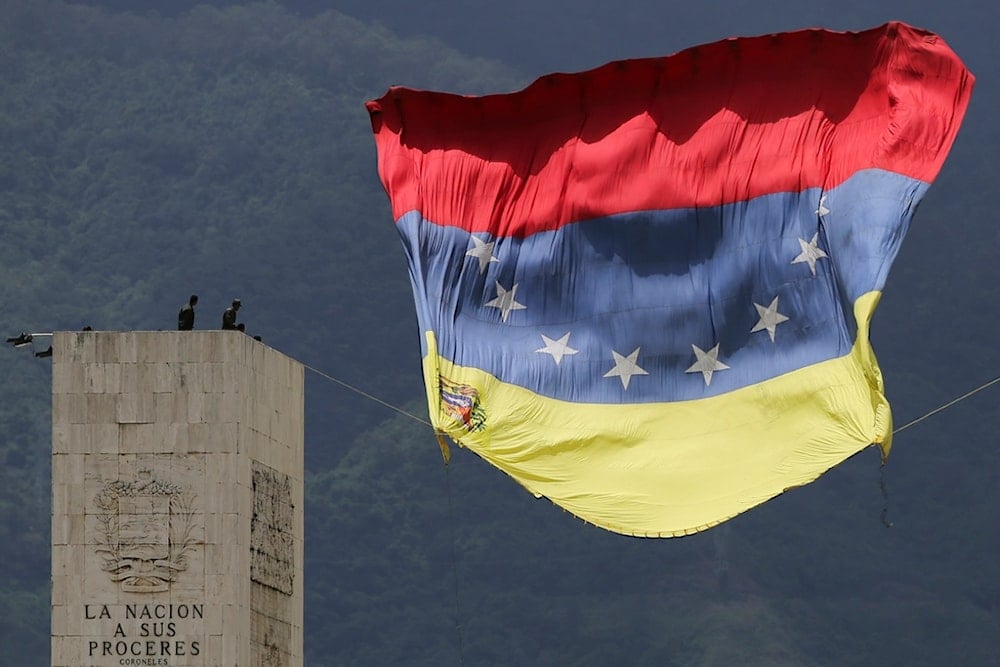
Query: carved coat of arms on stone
{"points": [[146, 531]]}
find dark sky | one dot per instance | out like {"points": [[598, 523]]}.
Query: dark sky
{"points": [[606, 31], [544, 35]]}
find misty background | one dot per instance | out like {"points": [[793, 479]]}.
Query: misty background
{"points": [[151, 150]]}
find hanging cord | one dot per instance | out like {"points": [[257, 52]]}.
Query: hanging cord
{"points": [[885, 496], [446, 454], [367, 395], [947, 405], [454, 566], [881, 471], [424, 421]]}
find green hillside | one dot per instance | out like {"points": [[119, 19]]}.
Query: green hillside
{"points": [[226, 152]]}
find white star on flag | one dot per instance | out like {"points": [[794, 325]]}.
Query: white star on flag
{"points": [[506, 301], [557, 348], [822, 210], [483, 252], [770, 318], [810, 253], [707, 363], [625, 367]]}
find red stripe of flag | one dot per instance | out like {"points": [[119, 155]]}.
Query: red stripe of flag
{"points": [[711, 125]]}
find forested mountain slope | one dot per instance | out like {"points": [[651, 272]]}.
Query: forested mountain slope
{"points": [[225, 153], [225, 150]]}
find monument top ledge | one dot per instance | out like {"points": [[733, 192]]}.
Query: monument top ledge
{"points": [[161, 346]]}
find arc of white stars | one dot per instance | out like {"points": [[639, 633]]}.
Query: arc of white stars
{"points": [[707, 363], [811, 252], [482, 251], [822, 210], [625, 367], [770, 318], [557, 348], [506, 301]]}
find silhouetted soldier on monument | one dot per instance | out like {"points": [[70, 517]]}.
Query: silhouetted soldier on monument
{"points": [[229, 315], [185, 318]]}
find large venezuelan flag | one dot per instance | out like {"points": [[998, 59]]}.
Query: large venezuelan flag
{"points": [[645, 290]]}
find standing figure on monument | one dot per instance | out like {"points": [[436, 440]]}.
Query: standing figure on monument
{"points": [[185, 318], [229, 315]]}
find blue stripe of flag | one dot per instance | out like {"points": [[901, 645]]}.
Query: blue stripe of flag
{"points": [[661, 281]]}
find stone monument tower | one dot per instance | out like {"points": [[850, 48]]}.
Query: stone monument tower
{"points": [[177, 498]]}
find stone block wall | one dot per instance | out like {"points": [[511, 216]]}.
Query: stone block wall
{"points": [[177, 515]]}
